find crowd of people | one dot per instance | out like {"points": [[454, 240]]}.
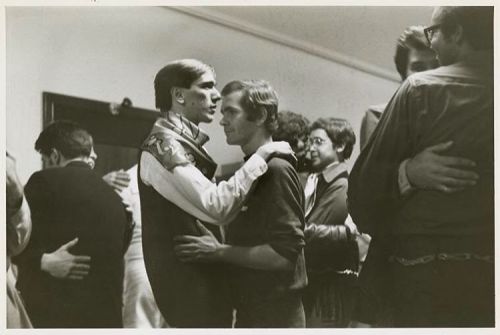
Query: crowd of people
{"points": [[292, 239]]}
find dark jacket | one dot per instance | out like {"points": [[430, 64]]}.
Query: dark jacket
{"points": [[331, 252], [330, 246], [65, 203]]}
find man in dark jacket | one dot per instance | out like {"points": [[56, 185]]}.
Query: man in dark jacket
{"points": [[331, 250], [69, 202]]}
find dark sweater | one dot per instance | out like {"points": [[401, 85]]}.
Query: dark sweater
{"points": [[272, 215]]}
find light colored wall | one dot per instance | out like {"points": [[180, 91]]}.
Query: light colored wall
{"points": [[109, 53]]}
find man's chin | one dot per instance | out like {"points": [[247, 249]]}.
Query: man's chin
{"points": [[208, 118]]}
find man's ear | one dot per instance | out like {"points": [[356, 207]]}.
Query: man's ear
{"points": [[55, 157], [458, 34], [261, 119], [340, 148], [177, 95]]}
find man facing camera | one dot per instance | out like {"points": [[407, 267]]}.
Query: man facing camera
{"points": [[331, 250], [264, 249], [69, 202]]}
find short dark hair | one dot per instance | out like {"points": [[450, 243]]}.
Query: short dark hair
{"points": [[69, 138], [179, 73], [291, 127], [339, 131], [476, 21], [258, 96], [412, 38]]}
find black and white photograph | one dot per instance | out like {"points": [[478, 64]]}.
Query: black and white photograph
{"points": [[264, 165]]}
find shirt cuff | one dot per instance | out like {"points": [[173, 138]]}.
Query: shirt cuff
{"points": [[255, 166], [405, 188]]}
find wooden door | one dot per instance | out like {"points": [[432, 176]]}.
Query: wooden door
{"points": [[118, 131]]}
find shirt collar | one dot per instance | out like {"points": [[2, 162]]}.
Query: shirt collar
{"points": [[184, 127], [333, 170], [78, 162]]}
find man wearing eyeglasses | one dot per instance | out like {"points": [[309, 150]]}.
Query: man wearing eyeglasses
{"points": [[440, 244], [331, 250]]}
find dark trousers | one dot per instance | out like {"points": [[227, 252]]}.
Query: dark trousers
{"points": [[444, 293], [284, 312]]}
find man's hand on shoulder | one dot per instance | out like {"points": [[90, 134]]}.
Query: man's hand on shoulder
{"points": [[432, 170], [64, 265], [274, 148]]}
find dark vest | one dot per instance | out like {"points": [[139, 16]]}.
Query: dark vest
{"points": [[188, 295]]}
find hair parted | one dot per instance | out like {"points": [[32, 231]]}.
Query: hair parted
{"points": [[258, 97], [339, 131], [178, 73], [68, 137]]}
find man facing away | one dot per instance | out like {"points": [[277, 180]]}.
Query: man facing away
{"points": [[264, 248], [175, 188], [69, 202], [439, 245]]}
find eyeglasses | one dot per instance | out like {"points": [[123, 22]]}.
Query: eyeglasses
{"points": [[316, 141], [429, 32]]}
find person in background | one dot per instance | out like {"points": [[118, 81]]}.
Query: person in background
{"points": [[413, 55], [437, 259], [139, 306], [18, 234], [264, 247], [119, 179], [69, 202], [331, 250], [294, 129]]}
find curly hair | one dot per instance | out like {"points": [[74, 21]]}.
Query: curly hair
{"points": [[292, 127], [66, 136]]}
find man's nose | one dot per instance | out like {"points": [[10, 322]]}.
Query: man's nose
{"points": [[222, 122], [216, 95]]}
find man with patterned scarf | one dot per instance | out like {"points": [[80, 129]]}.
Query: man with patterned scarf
{"points": [[176, 190]]}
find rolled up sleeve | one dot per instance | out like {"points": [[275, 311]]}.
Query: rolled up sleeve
{"points": [[286, 214]]}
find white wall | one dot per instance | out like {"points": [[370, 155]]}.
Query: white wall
{"points": [[109, 53]]}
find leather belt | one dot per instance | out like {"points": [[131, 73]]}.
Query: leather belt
{"points": [[462, 256]]}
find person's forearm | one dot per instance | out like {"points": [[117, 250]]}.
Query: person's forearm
{"points": [[19, 230], [327, 233], [261, 257], [405, 187], [189, 189]]}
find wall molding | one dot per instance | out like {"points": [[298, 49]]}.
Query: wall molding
{"points": [[297, 44]]}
